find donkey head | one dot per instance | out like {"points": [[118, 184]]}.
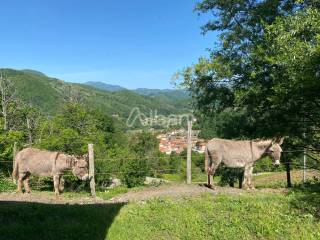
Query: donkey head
{"points": [[275, 150], [80, 168]]}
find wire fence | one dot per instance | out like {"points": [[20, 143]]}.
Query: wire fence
{"points": [[152, 170]]}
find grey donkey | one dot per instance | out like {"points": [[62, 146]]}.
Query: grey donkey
{"points": [[31, 161], [240, 154]]}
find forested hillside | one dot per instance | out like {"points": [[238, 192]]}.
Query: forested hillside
{"points": [[179, 98], [48, 94]]}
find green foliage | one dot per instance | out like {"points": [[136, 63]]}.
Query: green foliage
{"points": [[144, 144], [229, 176], [265, 65], [72, 129], [134, 172], [229, 124], [6, 184], [307, 197], [7, 139]]}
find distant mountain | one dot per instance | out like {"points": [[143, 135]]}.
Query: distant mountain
{"points": [[105, 86], [174, 94], [34, 72], [49, 94], [171, 94]]}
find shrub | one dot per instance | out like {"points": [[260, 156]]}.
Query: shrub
{"points": [[229, 176], [134, 172], [6, 184], [105, 170]]}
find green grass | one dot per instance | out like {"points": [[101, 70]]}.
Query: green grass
{"points": [[246, 216], [6, 184], [267, 216]]}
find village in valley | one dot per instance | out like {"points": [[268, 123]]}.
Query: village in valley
{"points": [[175, 141]]}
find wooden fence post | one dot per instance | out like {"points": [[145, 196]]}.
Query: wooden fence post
{"points": [[91, 170], [189, 151], [15, 150], [289, 185], [304, 177]]}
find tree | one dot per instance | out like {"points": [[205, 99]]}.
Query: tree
{"points": [[7, 92], [32, 118], [72, 129], [265, 65]]}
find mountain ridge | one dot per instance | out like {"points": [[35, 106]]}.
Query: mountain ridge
{"points": [[49, 94], [175, 93]]}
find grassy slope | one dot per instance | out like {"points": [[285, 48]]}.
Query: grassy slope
{"points": [[247, 216], [49, 93], [268, 216]]}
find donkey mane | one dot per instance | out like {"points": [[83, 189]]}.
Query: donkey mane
{"points": [[262, 140]]}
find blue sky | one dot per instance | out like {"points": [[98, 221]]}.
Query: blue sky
{"points": [[132, 43]]}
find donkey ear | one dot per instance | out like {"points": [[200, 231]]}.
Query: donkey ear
{"points": [[74, 158], [280, 140]]}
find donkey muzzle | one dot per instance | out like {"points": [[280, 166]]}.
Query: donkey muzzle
{"points": [[277, 163]]}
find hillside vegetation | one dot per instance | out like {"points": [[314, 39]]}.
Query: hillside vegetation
{"points": [[49, 94]]}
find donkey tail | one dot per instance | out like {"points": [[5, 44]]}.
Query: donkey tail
{"points": [[15, 170], [206, 160]]}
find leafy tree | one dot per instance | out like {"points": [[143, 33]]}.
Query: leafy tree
{"points": [[71, 130], [262, 79], [144, 143], [134, 172], [265, 65]]}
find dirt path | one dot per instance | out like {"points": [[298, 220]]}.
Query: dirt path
{"points": [[182, 190], [49, 198], [168, 191]]}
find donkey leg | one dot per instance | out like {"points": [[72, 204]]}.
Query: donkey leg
{"points": [[245, 183], [61, 185], [209, 182], [211, 173], [26, 185], [19, 190], [21, 177], [250, 183], [56, 183]]}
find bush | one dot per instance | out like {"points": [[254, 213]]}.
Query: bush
{"points": [[175, 163], [266, 165], [229, 176], [6, 184], [198, 160], [134, 172], [105, 170]]}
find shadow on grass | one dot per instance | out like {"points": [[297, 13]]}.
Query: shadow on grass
{"points": [[307, 198], [24, 220]]}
